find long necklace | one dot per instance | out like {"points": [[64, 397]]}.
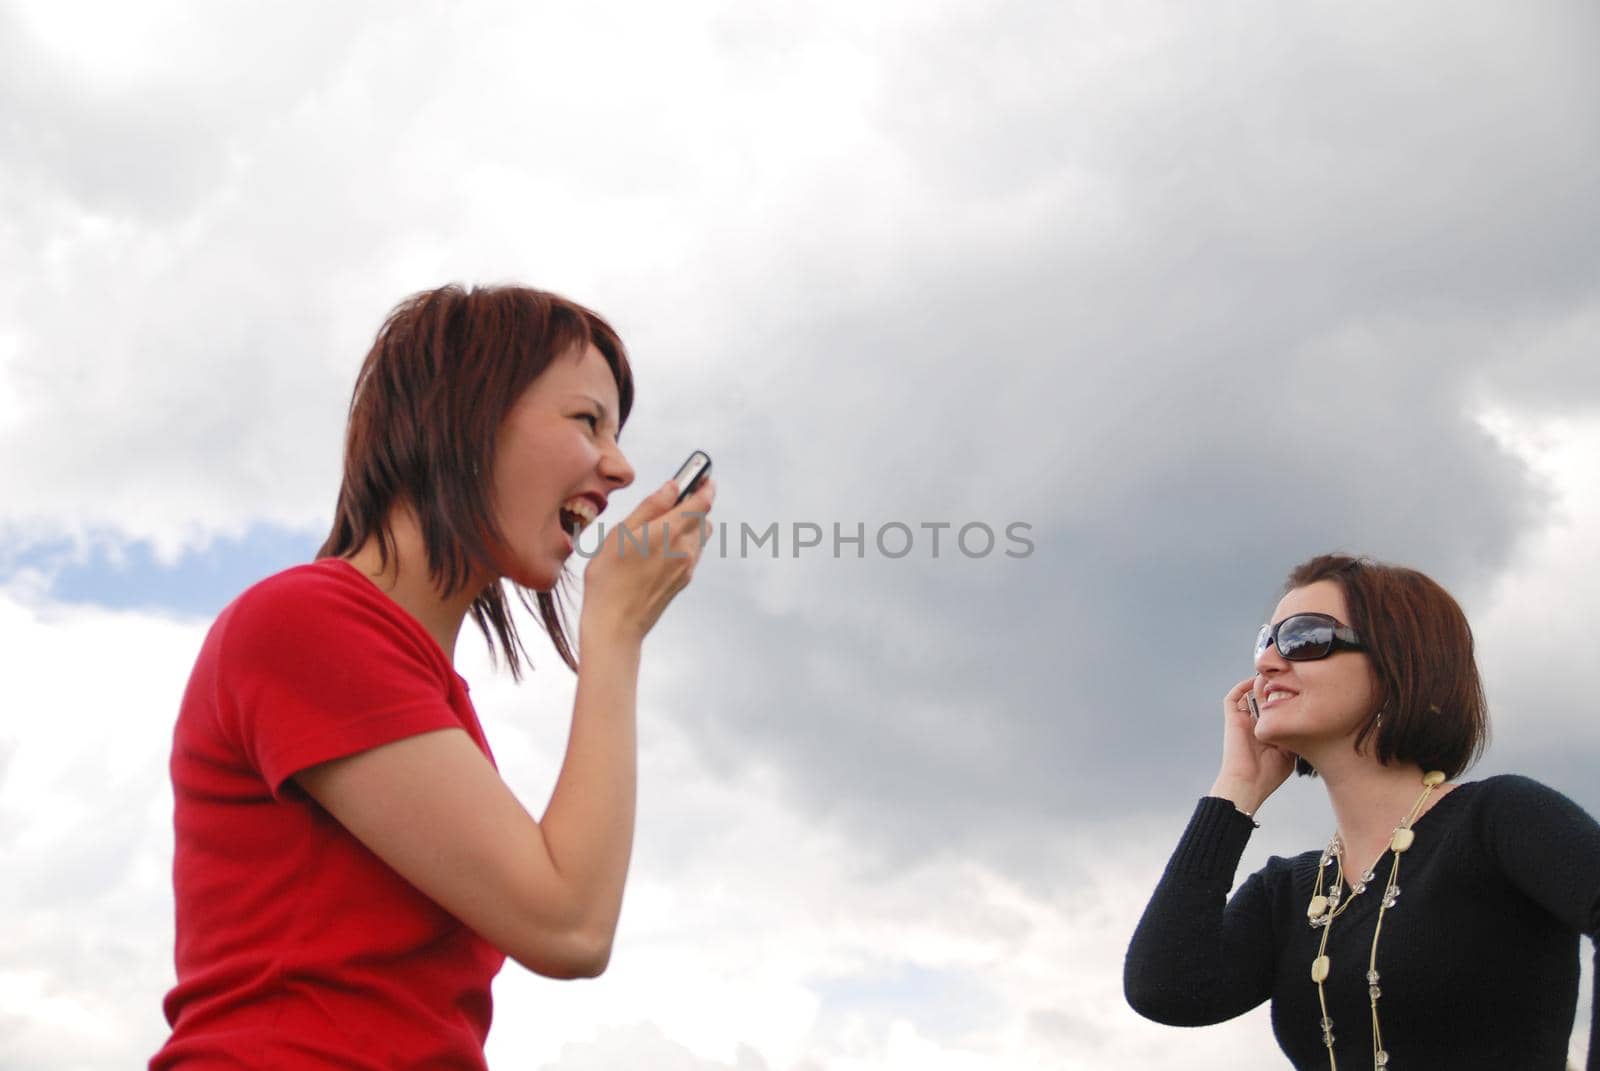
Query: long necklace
{"points": [[1324, 908]]}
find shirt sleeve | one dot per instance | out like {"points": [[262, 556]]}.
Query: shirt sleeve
{"points": [[1549, 848], [314, 668], [1197, 957]]}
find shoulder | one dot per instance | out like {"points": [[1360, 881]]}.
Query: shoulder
{"points": [[316, 663], [328, 594], [1513, 791], [1290, 871], [303, 589], [322, 611], [1282, 874], [1279, 890], [1508, 807]]}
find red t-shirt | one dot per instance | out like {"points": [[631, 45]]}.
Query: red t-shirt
{"points": [[296, 946]]}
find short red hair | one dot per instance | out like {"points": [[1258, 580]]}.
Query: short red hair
{"points": [[428, 403]]}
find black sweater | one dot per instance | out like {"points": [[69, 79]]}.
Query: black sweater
{"points": [[1479, 955]]}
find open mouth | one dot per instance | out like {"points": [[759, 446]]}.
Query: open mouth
{"points": [[576, 515]]}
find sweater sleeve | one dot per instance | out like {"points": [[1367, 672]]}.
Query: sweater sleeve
{"points": [[1549, 848], [1198, 957]]}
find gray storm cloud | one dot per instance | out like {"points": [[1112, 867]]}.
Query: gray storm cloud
{"points": [[1195, 293]]}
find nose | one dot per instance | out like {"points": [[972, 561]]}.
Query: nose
{"points": [[1270, 661], [614, 467]]}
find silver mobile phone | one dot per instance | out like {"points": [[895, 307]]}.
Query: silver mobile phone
{"points": [[691, 473], [1255, 711]]}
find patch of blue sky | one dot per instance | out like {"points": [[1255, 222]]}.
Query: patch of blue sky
{"points": [[104, 570], [943, 1004]]}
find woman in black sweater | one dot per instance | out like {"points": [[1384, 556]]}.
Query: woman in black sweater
{"points": [[1366, 677]]}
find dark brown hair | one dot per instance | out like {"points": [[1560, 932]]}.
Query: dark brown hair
{"points": [[1431, 708], [428, 403]]}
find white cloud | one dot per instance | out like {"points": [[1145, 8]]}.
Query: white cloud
{"points": [[85, 830], [1541, 693], [1196, 293]]}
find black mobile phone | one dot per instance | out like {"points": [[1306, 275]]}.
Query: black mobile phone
{"points": [[1255, 711], [691, 473]]}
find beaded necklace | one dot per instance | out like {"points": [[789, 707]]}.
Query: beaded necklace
{"points": [[1323, 909]]}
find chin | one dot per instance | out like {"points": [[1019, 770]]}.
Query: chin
{"points": [[1269, 733], [543, 583], [541, 578]]}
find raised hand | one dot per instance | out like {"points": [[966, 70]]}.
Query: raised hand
{"points": [[1251, 770], [636, 573]]}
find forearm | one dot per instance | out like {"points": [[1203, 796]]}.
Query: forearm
{"points": [[587, 830], [1196, 959], [588, 826]]}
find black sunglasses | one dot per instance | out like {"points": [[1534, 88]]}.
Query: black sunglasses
{"points": [[1308, 637]]}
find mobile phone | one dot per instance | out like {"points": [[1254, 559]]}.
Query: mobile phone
{"points": [[1255, 711], [691, 473]]}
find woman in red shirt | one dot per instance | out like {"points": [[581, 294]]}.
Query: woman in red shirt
{"points": [[350, 870]]}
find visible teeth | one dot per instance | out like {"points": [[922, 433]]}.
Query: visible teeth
{"points": [[581, 512]]}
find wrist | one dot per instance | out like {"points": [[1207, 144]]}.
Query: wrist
{"points": [[608, 670], [1243, 797], [599, 632]]}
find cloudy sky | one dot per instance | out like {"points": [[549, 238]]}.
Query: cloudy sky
{"points": [[1191, 291]]}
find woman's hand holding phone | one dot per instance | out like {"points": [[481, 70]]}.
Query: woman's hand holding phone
{"points": [[691, 474], [635, 574], [1251, 770]]}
